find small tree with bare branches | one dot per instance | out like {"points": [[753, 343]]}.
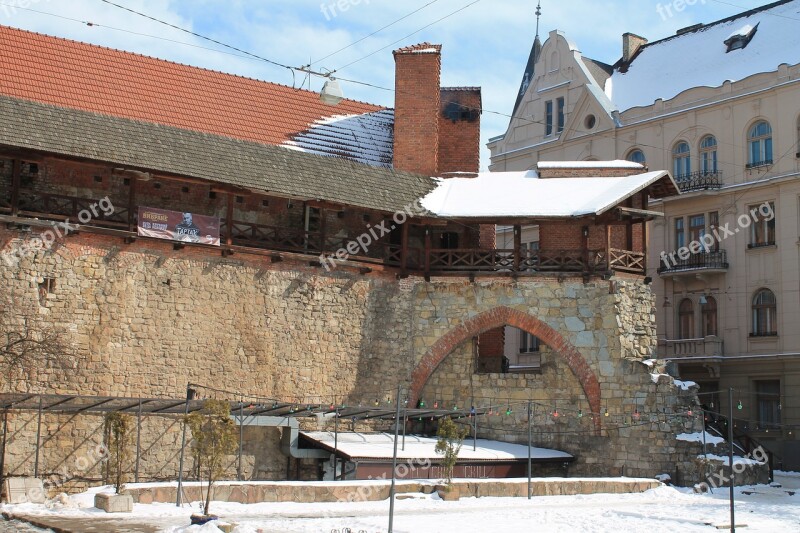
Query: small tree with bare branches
{"points": [[30, 342]]}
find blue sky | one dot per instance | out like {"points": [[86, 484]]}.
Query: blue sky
{"points": [[485, 44]]}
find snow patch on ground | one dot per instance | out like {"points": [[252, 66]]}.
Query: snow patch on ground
{"points": [[664, 509], [698, 437]]}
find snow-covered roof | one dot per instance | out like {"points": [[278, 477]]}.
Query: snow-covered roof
{"points": [[365, 138], [524, 195], [618, 163], [699, 58], [381, 446]]}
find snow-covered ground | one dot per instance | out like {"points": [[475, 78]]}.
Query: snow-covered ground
{"points": [[766, 509]]}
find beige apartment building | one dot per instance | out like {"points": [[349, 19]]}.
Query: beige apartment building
{"points": [[719, 106]]}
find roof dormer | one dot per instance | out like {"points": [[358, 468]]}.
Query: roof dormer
{"points": [[741, 37]]}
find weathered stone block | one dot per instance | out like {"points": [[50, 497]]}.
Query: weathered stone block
{"points": [[114, 503], [24, 490]]}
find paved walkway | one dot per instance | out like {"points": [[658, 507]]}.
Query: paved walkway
{"points": [[15, 526], [80, 525]]}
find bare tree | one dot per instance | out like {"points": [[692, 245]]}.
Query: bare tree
{"points": [[30, 342]]}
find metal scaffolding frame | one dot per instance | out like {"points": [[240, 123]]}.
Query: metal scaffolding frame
{"points": [[243, 412]]}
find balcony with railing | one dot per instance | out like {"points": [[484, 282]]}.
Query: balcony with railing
{"points": [[712, 262], [23, 206], [699, 181], [708, 347]]}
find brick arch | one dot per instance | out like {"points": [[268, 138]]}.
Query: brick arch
{"points": [[505, 316]]}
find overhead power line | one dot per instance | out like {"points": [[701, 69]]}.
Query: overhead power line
{"points": [[407, 36], [372, 34]]}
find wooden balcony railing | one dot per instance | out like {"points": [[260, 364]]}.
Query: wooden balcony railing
{"points": [[627, 261], [710, 346], [472, 260], [411, 260], [273, 237], [64, 207]]}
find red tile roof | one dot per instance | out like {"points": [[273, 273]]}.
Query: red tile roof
{"points": [[82, 76]]}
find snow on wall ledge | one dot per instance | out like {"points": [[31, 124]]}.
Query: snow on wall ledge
{"points": [[618, 163], [366, 138]]}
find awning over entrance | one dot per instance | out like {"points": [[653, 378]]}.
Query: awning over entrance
{"points": [[370, 456], [380, 446]]}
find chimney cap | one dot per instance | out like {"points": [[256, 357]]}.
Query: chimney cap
{"points": [[421, 48]]}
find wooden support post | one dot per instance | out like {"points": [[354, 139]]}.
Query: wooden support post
{"points": [[585, 247], [608, 246], [428, 247], [517, 247], [645, 236], [229, 220], [15, 185], [629, 235], [322, 223], [404, 249], [132, 205]]}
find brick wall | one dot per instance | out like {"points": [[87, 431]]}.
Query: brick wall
{"points": [[597, 172], [417, 102]]}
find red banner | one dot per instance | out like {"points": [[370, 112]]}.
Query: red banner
{"points": [[177, 226]]}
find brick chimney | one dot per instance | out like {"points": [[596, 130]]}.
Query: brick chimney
{"points": [[417, 104], [459, 130], [630, 45]]}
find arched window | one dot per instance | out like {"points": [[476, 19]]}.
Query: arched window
{"points": [[709, 312], [765, 314], [686, 319], [636, 156], [681, 160], [708, 155], [759, 142]]}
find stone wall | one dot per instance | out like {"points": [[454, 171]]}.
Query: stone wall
{"points": [[146, 319]]}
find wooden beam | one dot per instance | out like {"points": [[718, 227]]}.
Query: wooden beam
{"points": [[630, 211], [517, 247], [585, 246], [629, 235], [229, 220], [428, 247], [132, 204], [322, 228], [15, 185], [404, 249]]}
